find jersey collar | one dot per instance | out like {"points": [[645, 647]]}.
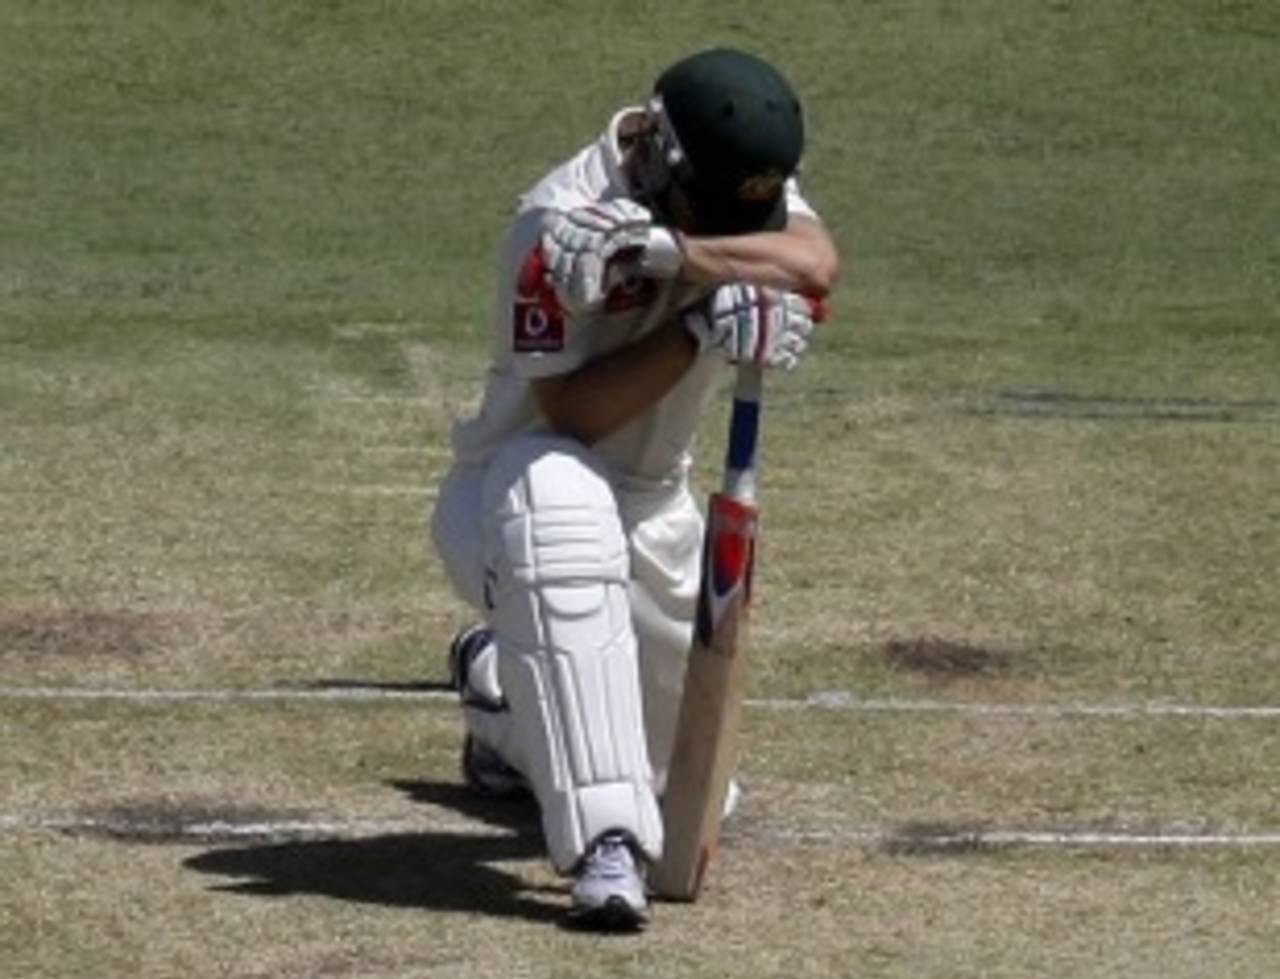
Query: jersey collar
{"points": [[611, 151]]}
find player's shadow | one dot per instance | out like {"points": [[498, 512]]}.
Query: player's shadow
{"points": [[433, 870]]}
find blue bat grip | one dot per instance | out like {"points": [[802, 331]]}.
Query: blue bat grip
{"points": [[744, 434]]}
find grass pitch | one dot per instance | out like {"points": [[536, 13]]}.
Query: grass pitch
{"points": [[1028, 476]]}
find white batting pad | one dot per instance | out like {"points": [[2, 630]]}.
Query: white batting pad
{"points": [[559, 609]]}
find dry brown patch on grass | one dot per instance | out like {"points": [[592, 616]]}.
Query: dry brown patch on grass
{"points": [[82, 633], [926, 838], [941, 658]]}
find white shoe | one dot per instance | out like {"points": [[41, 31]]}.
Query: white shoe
{"points": [[732, 797], [484, 770], [609, 894], [466, 647]]}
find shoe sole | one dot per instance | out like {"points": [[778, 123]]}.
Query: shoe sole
{"points": [[614, 915]]}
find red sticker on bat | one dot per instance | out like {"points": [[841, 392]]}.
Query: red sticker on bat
{"points": [[732, 531], [729, 551]]}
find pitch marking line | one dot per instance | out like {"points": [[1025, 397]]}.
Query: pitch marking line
{"points": [[227, 829], [951, 840], [220, 696], [843, 700], [832, 700], [285, 830]]}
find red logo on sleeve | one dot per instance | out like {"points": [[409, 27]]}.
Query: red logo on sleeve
{"points": [[537, 319]]}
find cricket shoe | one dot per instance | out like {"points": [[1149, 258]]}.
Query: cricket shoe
{"points": [[609, 892], [484, 770], [467, 646], [732, 799]]}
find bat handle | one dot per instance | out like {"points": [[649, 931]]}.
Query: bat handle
{"points": [[744, 434]]}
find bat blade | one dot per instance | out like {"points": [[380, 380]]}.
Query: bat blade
{"points": [[705, 750]]}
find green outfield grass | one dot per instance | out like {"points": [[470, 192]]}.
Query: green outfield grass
{"points": [[245, 273]]}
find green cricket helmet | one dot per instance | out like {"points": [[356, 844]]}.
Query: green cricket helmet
{"points": [[732, 131]]}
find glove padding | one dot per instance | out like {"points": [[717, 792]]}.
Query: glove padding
{"points": [[579, 245], [753, 324]]}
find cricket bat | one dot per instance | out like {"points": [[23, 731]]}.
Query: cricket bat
{"points": [[705, 751]]}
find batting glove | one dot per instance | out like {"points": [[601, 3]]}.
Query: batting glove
{"points": [[590, 249], [753, 324]]}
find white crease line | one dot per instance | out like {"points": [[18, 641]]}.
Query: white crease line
{"points": [[221, 696], [206, 831], [839, 700], [229, 829], [826, 700], [944, 839]]}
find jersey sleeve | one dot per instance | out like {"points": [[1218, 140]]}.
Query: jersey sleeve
{"points": [[796, 203], [533, 333]]}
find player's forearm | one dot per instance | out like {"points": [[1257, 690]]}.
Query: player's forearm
{"points": [[802, 258], [600, 397]]}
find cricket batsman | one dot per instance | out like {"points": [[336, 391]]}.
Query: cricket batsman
{"points": [[633, 277]]}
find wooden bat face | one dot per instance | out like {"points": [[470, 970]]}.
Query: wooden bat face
{"points": [[706, 736], [705, 750]]}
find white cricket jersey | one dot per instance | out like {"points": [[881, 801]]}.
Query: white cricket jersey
{"points": [[650, 452]]}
